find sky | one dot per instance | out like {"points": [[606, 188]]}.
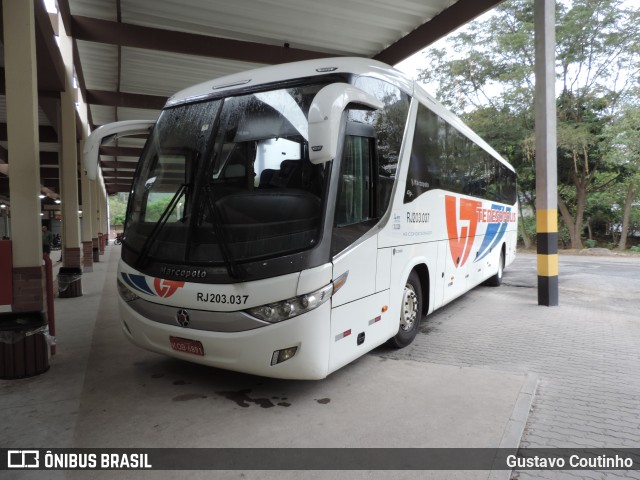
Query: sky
{"points": [[51, 6]]}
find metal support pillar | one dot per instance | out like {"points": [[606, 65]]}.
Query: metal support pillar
{"points": [[24, 158], [69, 164], [95, 219], [546, 154], [87, 222]]}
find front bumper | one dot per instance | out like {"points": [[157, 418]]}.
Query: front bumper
{"points": [[248, 351]]}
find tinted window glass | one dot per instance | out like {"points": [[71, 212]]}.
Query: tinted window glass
{"points": [[229, 180], [389, 126], [443, 158], [354, 204]]}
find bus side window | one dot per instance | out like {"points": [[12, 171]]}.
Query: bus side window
{"points": [[427, 158], [355, 191], [356, 205]]}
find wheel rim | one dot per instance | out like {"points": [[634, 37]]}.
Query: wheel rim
{"points": [[500, 266], [409, 312]]}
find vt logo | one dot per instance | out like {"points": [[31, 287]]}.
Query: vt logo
{"points": [[462, 221], [166, 288], [161, 288]]}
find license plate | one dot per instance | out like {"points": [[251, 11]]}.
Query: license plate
{"points": [[186, 346]]}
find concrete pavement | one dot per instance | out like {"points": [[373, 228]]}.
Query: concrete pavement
{"points": [[466, 381], [586, 351], [103, 392]]}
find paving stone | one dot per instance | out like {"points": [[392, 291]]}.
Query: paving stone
{"points": [[587, 355]]}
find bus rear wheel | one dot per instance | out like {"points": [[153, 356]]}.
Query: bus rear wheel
{"points": [[410, 312], [496, 280]]}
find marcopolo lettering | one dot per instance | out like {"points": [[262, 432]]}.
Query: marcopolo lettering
{"points": [[185, 273], [417, 217]]}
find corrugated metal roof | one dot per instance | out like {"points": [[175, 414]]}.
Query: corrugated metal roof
{"points": [[98, 60], [42, 118], [103, 114], [335, 27], [361, 27], [357, 27], [124, 75], [102, 9], [164, 73]]}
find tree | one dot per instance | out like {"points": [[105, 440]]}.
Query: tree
{"points": [[598, 44], [582, 167], [623, 136], [118, 208]]}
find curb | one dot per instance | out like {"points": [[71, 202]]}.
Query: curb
{"points": [[517, 421]]}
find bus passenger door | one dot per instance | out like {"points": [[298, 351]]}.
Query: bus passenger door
{"points": [[357, 307]]}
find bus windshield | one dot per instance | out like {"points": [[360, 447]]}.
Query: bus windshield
{"points": [[227, 181]]}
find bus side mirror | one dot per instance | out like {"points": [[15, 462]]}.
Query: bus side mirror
{"points": [[325, 115], [110, 131]]}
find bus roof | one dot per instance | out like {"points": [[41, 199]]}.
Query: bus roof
{"points": [[289, 71]]}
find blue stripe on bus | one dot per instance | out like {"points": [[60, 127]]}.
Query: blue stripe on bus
{"points": [[138, 282], [493, 236]]}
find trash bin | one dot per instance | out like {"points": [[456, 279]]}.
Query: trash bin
{"points": [[24, 351], [96, 254], [69, 284]]}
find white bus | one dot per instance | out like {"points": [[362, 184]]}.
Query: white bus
{"points": [[286, 220]]}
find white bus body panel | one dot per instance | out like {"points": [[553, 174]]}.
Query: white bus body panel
{"points": [[422, 224], [249, 351], [419, 234], [111, 131], [361, 319], [359, 261], [314, 279], [358, 327], [203, 296]]}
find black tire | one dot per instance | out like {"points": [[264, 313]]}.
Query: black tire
{"points": [[410, 313], [496, 280]]}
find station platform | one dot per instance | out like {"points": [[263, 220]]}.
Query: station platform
{"points": [[103, 392]]}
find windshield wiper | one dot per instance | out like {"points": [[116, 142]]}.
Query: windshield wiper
{"points": [[166, 213], [233, 269]]}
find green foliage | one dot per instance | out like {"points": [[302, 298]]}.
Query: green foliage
{"points": [[564, 238], [157, 206], [529, 225], [118, 208], [487, 74], [591, 243], [635, 249]]}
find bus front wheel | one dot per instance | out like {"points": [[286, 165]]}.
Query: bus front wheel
{"points": [[410, 312]]}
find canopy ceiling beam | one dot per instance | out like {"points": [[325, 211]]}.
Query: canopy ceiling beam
{"points": [[447, 21], [150, 38]]}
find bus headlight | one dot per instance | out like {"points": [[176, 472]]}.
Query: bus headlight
{"points": [[279, 311], [126, 294]]}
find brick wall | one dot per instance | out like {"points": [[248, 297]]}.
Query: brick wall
{"points": [[87, 254], [28, 289], [72, 257]]}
